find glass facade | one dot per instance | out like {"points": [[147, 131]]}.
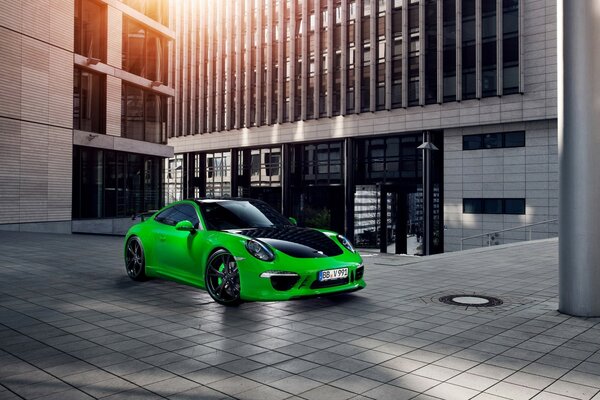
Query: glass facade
{"points": [[325, 52], [339, 185], [111, 184], [317, 185]]}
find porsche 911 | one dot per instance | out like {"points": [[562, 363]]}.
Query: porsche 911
{"points": [[241, 250]]}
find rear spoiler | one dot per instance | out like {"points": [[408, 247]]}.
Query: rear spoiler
{"points": [[143, 216]]}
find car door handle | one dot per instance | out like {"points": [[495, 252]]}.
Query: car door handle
{"points": [[162, 238]]}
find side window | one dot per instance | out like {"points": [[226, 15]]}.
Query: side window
{"points": [[185, 212], [178, 213], [165, 217]]}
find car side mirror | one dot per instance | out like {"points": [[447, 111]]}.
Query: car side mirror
{"points": [[293, 220], [185, 226]]}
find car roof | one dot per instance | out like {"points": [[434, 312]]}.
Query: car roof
{"points": [[219, 199]]}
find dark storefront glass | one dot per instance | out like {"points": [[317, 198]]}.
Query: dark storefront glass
{"points": [[90, 29], [111, 184], [88, 101], [317, 186], [389, 170]]}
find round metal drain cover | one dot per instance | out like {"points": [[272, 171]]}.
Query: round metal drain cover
{"points": [[472, 300]]}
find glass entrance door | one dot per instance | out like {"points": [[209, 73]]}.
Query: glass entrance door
{"points": [[400, 221]]}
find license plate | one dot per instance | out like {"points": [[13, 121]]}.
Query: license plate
{"points": [[331, 274]]}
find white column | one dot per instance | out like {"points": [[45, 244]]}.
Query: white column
{"points": [[579, 156]]}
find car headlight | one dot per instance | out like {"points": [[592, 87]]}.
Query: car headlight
{"points": [[346, 243], [259, 250]]}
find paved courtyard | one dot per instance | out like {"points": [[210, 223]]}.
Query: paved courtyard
{"points": [[73, 326]]}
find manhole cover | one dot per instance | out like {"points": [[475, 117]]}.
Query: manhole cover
{"points": [[470, 300]]}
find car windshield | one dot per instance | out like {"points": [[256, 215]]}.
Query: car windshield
{"points": [[240, 214]]}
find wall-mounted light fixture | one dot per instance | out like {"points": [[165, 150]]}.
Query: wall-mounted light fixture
{"points": [[91, 137], [92, 61], [156, 83]]}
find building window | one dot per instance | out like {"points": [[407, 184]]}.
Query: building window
{"points": [[430, 51], [494, 140], [158, 10], [388, 159], [510, 46], [173, 178], [90, 29], [468, 49], [414, 50], [449, 59], [397, 55], [488, 48], [218, 174], [321, 163], [145, 52], [494, 206], [111, 184], [89, 101], [143, 115]]}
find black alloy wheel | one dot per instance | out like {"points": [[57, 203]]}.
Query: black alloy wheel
{"points": [[222, 278], [135, 262]]}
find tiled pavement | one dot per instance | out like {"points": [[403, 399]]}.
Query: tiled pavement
{"points": [[73, 326]]}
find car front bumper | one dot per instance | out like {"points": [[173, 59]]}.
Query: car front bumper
{"points": [[279, 281]]}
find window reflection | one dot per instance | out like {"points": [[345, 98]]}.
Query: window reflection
{"points": [[218, 174], [88, 101], [90, 29], [145, 52], [143, 115], [158, 10]]}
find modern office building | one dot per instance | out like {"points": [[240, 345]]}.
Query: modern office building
{"points": [[319, 107], [85, 93]]}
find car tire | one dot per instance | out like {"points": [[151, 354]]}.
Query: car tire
{"points": [[222, 278], [135, 259]]}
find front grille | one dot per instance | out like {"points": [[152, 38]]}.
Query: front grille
{"points": [[337, 282]]}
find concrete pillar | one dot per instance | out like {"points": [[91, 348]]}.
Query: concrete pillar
{"points": [[579, 156]]}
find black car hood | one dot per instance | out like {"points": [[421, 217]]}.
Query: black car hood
{"points": [[296, 242]]}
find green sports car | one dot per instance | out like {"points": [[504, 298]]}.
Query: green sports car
{"points": [[241, 250]]}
